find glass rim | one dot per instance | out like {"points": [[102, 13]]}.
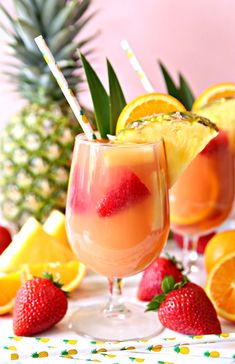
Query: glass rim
{"points": [[82, 138]]}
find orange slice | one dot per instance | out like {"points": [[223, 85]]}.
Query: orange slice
{"points": [[220, 245], [199, 201], [70, 273], [9, 285], [220, 287], [215, 92], [148, 105]]}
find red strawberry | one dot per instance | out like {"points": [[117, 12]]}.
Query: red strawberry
{"points": [[220, 142], [128, 192], [184, 307], [202, 242], [151, 282], [5, 238], [40, 304]]}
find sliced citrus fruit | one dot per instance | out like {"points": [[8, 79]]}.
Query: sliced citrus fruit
{"points": [[70, 273], [220, 245], [185, 135], [147, 105], [224, 90], [198, 202], [220, 286], [55, 226], [9, 285], [33, 245]]}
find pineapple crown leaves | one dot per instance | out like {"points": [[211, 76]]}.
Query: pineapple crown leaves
{"points": [[59, 21], [182, 92], [107, 108], [168, 285], [176, 262]]}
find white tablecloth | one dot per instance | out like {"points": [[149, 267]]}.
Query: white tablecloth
{"points": [[93, 289]]}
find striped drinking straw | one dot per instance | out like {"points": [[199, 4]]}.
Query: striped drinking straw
{"points": [[137, 67], [68, 93]]}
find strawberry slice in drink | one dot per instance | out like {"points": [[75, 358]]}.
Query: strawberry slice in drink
{"points": [[128, 192]]}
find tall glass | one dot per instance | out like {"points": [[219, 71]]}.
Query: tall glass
{"points": [[202, 198], [117, 218]]}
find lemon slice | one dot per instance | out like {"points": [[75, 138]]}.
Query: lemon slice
{"points": [[185, 135], [55, 226], [33, 245]]}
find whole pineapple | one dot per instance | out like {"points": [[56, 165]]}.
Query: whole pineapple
{"points": [[36, 146]]}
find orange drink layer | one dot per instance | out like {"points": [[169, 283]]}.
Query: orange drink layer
{"points": [[117, 208], [202, 197]]}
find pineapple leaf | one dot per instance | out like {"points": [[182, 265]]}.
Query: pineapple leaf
{"points": [[186, 93], [62, 17], [22, 53], [62, 38], [117, 99], [49, 11], [27, 33], [80, 11], [24, 13], [171, 87], [67, 52], [99, 97], [9, 18]]}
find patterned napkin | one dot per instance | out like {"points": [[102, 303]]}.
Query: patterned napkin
{"points": [[157, 351]]}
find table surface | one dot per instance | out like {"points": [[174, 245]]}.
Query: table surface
{"points": [[93, 289]]}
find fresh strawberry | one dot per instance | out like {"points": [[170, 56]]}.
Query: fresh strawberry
{"points": [[129, 191], [40, 304], [202, 242], [220, 142], [151, 282], [184, 307], [5, 238]]}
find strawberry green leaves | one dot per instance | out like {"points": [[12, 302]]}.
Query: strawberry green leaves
{"points": [[106, 107], [168, 285], [183, 93]]}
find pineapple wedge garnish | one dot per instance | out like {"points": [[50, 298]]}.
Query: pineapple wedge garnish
{"points": [[185, 135]]}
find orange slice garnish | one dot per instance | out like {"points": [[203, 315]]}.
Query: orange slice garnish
{"points": [[215, 92], [147, 105]]}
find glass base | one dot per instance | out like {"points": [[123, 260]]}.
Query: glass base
{"points": [[96, 322]]}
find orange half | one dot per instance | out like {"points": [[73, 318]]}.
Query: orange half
{"points": [[220, 286], [70, 273], [215, 92], [147, 105]]}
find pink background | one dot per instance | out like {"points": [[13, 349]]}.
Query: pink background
{"points": [[196, 37]]}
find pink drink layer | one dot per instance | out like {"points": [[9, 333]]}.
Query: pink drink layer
{"points": [[117, 209]]}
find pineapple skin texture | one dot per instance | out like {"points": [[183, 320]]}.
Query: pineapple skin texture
{"points": [[35, 157]]}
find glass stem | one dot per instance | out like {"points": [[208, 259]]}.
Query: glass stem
{"points": [[190, 255], [115, 305]]}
